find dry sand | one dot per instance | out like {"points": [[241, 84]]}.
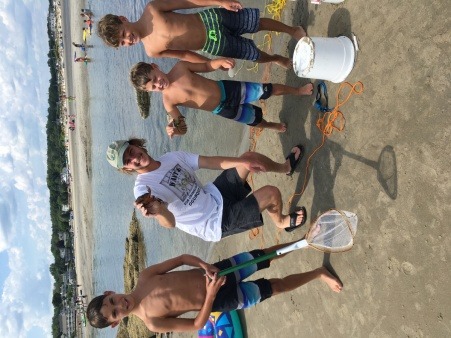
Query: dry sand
{"points": [[390, 166]]}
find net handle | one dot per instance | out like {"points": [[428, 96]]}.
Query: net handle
{"points": [[294, 246]]}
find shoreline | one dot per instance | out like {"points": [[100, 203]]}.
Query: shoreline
{"points": [[77, 85]]}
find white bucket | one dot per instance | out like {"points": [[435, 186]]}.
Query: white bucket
{"points": [[329, 59]]}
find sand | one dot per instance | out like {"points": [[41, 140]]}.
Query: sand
{"points": [[390, 165]]}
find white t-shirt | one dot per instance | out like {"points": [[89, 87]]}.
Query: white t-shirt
{"points": [[197, 209]]}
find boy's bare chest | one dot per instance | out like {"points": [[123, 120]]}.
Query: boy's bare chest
{"points": [[175, 31]]}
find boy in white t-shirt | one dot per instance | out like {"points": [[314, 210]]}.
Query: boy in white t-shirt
{"points": [[168, 189]]}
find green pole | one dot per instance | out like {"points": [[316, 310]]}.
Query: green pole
{"points": [[248, 263]]}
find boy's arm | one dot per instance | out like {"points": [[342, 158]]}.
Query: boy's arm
{"points": [[185, 55], [211, 65], [221, 162], [172, 5], [186, 259], [182, 324]]}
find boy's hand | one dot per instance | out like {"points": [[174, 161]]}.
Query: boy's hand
{"points": [[210, 269], [149, 205], [177, 127], [227, 63], [231, 5], [214, 284]]}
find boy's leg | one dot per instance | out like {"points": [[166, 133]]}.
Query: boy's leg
{"points": [[276, 58], [270, 199], [267, 24], [289, 283], [281, 89], [269, 164], [280, 127]]}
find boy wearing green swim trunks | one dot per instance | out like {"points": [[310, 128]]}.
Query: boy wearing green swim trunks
{"points": [[161, 295], [165, 33], [182, 86]]}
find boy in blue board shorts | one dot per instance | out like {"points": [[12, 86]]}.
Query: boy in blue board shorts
{"points": [[162, 295], [182, 86]]}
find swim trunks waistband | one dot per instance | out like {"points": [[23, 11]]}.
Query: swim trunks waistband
{"points": [[223, 97]]}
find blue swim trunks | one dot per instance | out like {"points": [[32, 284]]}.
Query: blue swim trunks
{"points": [[224, 29], [236, 294], [236, 97]]}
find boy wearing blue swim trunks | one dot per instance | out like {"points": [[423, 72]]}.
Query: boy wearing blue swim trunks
{"points": [[182, 86], [161, 295], [217, 31]]}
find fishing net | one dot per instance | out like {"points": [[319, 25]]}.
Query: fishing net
{"points": [[333, 231]]}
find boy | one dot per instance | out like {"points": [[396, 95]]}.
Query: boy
{"points": [[217, 31], [168, 190], [161, 295], [182, 86]]}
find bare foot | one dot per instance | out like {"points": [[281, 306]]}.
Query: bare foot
{"points": [[298, 33], [314, 231], [282, 127], [306, 89], [284, 62], [333, 282], [297, 152], [279, 127], [299, 219]]}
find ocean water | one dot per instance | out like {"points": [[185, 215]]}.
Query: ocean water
{"points": [[114, 115]]}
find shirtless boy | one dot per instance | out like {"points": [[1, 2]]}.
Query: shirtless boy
{"points": [[161, 295], [217, 31], [182, 86]]}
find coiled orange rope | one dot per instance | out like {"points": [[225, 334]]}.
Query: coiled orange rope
{"points": [[330, 121]]}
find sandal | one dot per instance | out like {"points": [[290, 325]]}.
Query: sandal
{"points": [[293, 217], [294, 162]]}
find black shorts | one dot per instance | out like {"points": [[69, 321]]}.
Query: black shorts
{"points": [[240, 211]]}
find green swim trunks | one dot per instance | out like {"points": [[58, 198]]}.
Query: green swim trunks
{"points": [[224, 29]]}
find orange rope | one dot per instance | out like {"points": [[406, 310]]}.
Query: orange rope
{"points": [[331, 121]]}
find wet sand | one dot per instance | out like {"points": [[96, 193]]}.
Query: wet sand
{"points": [[390, 166]]}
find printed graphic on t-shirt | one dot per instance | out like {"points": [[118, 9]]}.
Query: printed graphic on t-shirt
{"points": [[182, 184]]}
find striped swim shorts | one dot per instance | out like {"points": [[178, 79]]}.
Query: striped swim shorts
{"points": [[224, 29], [236, 294]]}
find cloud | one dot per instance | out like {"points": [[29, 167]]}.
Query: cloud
{"points": [[25, 228]]}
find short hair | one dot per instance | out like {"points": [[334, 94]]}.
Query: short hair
{"points": [[138, 142], [108, 29], [95, 318], [139, 74]]}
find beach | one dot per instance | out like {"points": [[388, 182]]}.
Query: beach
{"points": [[390, 165]]}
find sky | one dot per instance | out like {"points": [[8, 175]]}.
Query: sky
{"points": [[26, 285]]}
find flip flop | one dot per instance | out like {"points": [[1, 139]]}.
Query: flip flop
{"points": [[321, 96], [293, 161], [293, 217]]}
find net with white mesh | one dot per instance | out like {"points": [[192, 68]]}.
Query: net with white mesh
{"points": [[333, 231]]}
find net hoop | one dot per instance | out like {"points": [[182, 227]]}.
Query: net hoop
{"points": [[345, 215]]}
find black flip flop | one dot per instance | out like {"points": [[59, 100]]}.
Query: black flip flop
{"points": [[293, 217], [293, 161]]}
